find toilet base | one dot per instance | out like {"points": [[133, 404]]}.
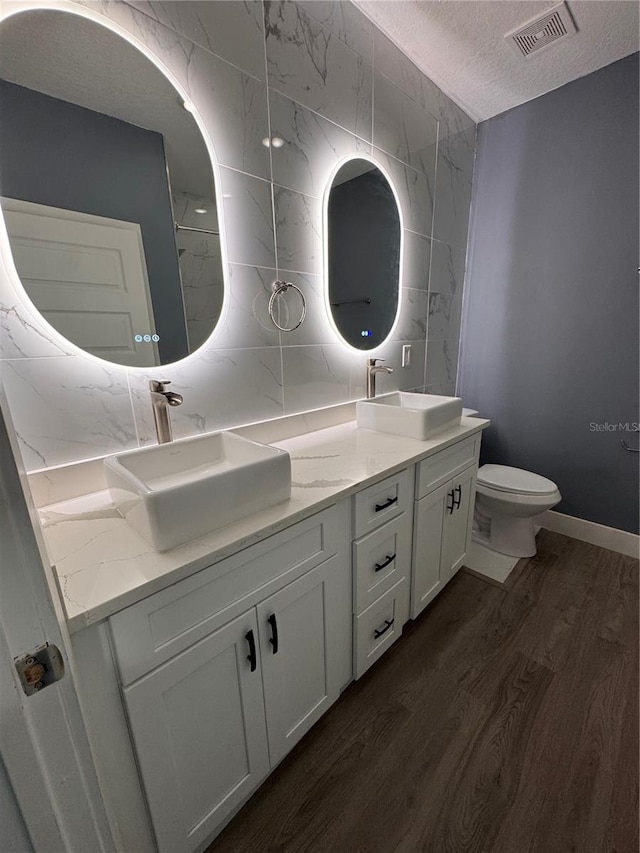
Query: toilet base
{"points": [[512, 536]]}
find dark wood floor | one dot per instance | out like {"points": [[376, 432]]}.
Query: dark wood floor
{"points": [[505, 720]]}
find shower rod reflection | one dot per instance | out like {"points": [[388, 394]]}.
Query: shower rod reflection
{"points": [[366, 299], [196, 230]]}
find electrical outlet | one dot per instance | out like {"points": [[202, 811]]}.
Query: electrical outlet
{"points": [[406, 355]]}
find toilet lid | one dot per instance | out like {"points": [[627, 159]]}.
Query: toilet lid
{"points": [[506, 479]]}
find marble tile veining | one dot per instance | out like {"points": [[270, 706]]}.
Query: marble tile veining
{"points": [[298, 231], [442, 362], [246, 322], [403, 129], [444, 316], [68, 408], [453, 193], [447, 269], [345, 21], [233, 106], [312, 146], [306, 62], [228, 28], [416, 261], [22, 332], [416, 191], [248, 219], [316, 328], [412, 323], [316, 376], [223, 389]]}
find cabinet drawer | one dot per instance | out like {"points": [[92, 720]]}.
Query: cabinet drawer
{"points": [[382, 502], [380, 560], [153, 630], [440, 467], [380, 626]]}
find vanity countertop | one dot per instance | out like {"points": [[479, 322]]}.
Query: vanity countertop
{"points": [[102, 565]]}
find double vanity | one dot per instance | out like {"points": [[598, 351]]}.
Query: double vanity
{"points": [[200, 666]]}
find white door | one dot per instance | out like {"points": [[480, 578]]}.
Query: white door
{"points": [[427, 548], [301, 648], [49, 789], [87, 276], [199, 731], [457, 524]]}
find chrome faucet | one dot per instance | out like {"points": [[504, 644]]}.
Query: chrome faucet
{"points": [[161, 399], [372, 369]]}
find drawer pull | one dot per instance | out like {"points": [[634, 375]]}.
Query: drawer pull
{"points": [[273, 639], [456, 500], [251, 657], [388, 624], [383, 565], [390, 502], [453, 502]]}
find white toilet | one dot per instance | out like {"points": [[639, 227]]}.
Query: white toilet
{"points": [[508, 500]]}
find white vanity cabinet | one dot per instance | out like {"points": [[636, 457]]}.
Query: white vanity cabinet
{"points": [[210, 721], [199, 731], [381, 566], [443, 518]]}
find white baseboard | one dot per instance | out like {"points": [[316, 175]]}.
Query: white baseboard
{"points": [[595, 534]]}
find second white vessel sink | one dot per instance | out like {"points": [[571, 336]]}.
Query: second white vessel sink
{"points": [[418, 416], [175, 492]]}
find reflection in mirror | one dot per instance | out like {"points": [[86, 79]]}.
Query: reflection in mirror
{"points": [[107, 192], [363, 251]]}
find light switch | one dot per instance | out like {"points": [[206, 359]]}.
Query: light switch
{"points": [[406, 355]]}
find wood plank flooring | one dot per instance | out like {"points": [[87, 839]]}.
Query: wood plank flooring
{"points": [[505, 720]]}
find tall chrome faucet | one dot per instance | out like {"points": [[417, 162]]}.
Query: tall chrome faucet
{"points": [[372, 369], [161, 399]]}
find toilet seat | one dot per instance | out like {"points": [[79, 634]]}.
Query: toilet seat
{"points": [[515, 481]]}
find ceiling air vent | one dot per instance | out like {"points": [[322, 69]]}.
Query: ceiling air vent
{"points": [[553, 25]]}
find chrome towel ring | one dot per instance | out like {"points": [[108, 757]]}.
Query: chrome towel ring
{"points": [[278, 287]]}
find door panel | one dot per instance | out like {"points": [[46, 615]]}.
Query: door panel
{"points": [[427, 546], [298, 672], [199, 730], [87, 275]]}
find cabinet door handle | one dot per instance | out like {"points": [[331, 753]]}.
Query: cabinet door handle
{"points": [[388, 624], [273, 639], [456, 501], [453, 502], [384, 564], [251, 657], [390, 502]]}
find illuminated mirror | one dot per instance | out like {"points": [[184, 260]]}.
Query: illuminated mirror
{"points": [[107, 192], [363, 234]]}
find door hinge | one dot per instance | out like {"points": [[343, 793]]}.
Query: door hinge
{"points": [[40, 668]]}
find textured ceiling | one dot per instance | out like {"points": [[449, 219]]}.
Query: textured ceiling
{"points": [[460, 45]]}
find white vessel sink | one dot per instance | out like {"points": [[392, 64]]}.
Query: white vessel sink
{"points": [[172, 493], [415, 415]]}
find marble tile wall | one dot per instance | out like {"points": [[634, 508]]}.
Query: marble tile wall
{"points": [[323, 78]]}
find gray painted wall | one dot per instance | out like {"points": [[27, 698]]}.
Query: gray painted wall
{"points": [[550, 335], [63, 155]]}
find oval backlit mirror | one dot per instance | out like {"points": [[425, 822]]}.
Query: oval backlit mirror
{"points": [[363, 252], [107, 192]]}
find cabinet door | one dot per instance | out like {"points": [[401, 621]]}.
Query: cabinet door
{"points": [[199, 730], [303, 632], [457, 524], [427, 547]]}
